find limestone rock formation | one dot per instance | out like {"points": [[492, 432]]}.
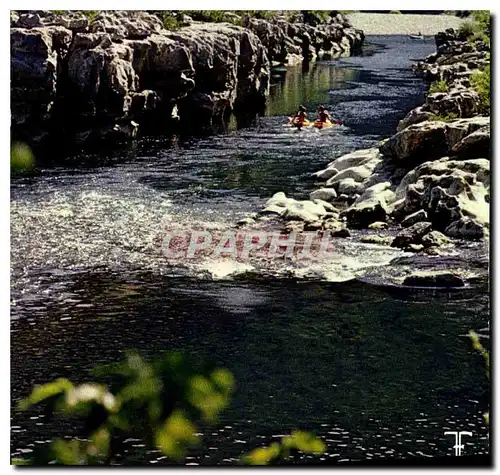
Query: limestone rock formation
{"points": [[82, 77]]}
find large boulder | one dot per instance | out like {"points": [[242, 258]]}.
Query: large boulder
{"points": [[417, 143], [462, 103], [361, 215], [296, 210], [325, 194], [412, 235], [447, 190], [429, 140], [415, 116], [475, 145], [466, 228]]}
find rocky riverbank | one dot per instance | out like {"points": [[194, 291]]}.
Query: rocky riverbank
{"points": [[121, 73], [429, 184]]}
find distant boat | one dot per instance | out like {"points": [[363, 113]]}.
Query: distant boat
{"points": [[416, 37]]}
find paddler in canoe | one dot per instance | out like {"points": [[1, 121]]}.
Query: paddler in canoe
{"points": [[324, 118], [300, 119]]}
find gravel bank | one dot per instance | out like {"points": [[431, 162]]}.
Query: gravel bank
{"points": [[399, 24]]}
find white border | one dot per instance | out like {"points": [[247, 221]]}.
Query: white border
{"points": [[156, 5]]}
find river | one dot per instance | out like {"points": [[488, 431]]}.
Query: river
{"points": [[374, 369]]}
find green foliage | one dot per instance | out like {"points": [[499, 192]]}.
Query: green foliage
{"points": [[481, 82], [161, 402], [21, 158], [476, 344], [479, 29], [444, 118], [278, 453], [438, 86], [483, 19], [396, 12], [323, 15], [467, 29], [170, 21]]}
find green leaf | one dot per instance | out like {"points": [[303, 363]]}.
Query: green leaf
{"points": [[44, 392], [307, 442], [263, 455], [223, 379], [99, 443], [21, 158], [68, 452], [176, 436]]}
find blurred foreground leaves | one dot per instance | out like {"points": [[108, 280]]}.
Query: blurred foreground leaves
{"points": [[476, 344], [160, 402], [21, 158]]}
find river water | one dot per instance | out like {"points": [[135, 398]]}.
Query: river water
{"points": [[372, 368]]}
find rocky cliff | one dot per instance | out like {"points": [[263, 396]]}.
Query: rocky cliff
{"points": [[122, 73]]}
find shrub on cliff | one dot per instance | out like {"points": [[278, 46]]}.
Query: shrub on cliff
{"points": [[438, 86], [481, 82], [466, 29], [479, 29]]}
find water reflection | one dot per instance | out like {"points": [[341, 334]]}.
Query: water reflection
{"points": [[308, 85]]}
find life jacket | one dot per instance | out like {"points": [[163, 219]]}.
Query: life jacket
{"points": [[323, 116], [301, 117]]}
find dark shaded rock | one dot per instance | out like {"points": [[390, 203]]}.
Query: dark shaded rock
{"points": [[434, 280], [361, 215], [416, 217], [465, 228], [475, 145], [412, 235]]}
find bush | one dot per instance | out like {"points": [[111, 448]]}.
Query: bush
{"points": [[481, 82], [397, 12], [438, 86], [479, 29], [444, 118], [467, 29]]}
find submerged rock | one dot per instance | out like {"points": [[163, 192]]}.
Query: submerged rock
{"points": [[382, 240], [377, 225], [437, 279], [307, 211]]}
